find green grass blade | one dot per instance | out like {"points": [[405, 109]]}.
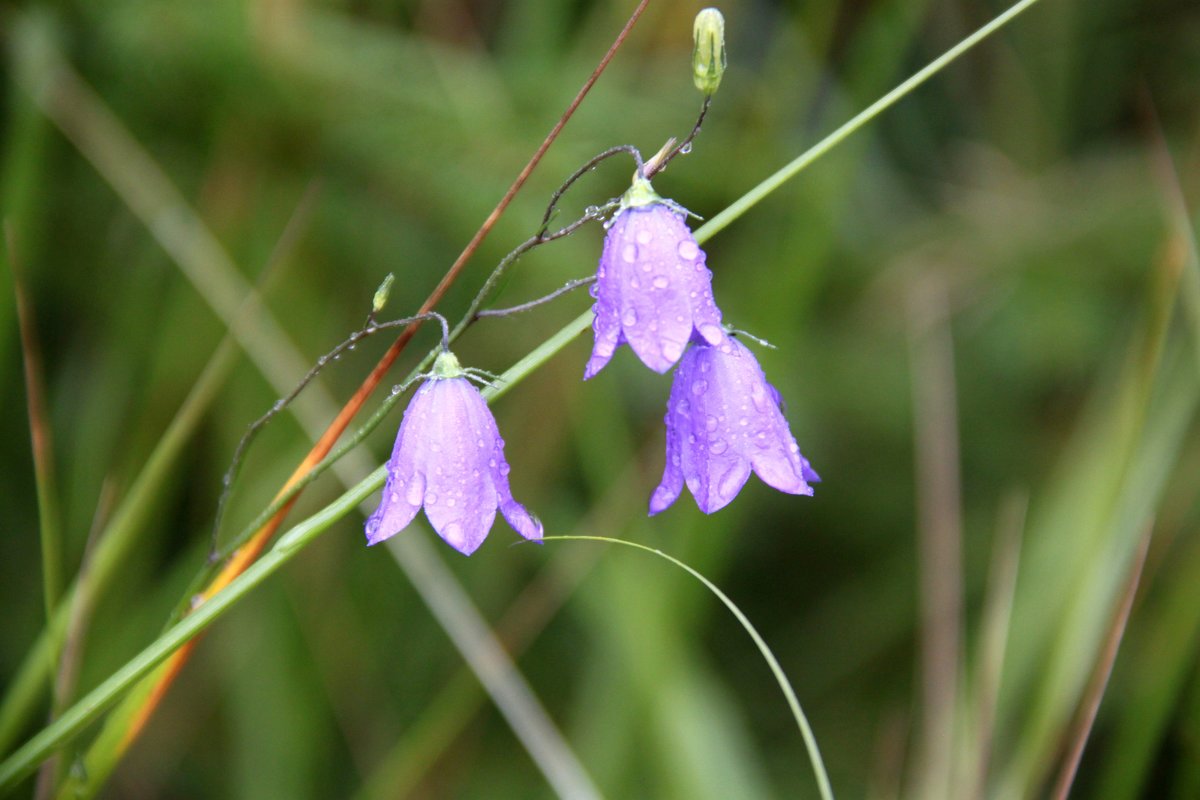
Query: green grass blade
{"points": [[810, 741]]}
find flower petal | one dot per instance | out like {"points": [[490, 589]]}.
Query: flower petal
{"points": [[652, 289]]}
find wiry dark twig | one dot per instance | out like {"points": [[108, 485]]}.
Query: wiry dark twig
{"points": [[684, 147], [349, 343], [569, 287]]}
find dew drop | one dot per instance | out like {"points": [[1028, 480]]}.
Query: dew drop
{"points": [[492, 463], [688, 250], [685, 149], [634, 283], [453, 533], [672, 351], [430, 498], [730, 482], [594, 290], [395, 497], [661, 282], [415, 491], [691, 438], [759, 395], [717, 446], [710, 424], [435, 447], [630, 318], [684, 406], [762, 439], [505, 468], [710, 332], [629, 253], [643, 236], [675, 459], [450, 501], [699, 387], [705, 366]]}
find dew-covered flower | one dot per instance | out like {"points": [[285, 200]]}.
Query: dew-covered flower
{"points": [[724, 419], [449, 459], [652, 287]]}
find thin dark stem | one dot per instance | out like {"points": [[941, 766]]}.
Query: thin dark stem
{"points": [[579, 173], [683, 147], [504, 312], [349, 343]]}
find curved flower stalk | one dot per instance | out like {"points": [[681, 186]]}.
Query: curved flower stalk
{"points": [[449, 459], [723, 420], [652, 287]]}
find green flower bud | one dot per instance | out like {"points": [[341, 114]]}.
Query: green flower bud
{"points": [[381, 294], [708, 53]]}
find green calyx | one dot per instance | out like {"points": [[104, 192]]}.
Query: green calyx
{"points": [[641, 193], [446, 366]]}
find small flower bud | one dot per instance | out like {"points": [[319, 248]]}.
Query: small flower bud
{"points": [[708, 53], [381, 294]]}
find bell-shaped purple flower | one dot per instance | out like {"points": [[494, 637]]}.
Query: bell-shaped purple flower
{"points": [[652, 287], [449, 459], [723, 420]]}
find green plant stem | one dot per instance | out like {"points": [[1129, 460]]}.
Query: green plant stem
{"points": [[752, 197], [810, 741], [89, 708]]}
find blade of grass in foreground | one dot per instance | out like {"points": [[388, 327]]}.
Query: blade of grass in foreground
{"points": [[810, 741]]}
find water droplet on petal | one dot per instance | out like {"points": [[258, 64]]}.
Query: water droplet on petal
{"points": [[629, 253], [672, 351], [759, 395], [643, 236], [450, 501], [710, 424], [699, 387], [675, 459], [395, 497], [430, 498], [688, 250], [630, 318], [712, 333], [505, 468], [453, 533], [730, 483], [691, 438], [594, 290], [661, 282], [717, 446], [416, 490], [762, 439]]}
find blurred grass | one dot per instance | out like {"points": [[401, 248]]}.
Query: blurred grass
{"points": [[1020, 177]]}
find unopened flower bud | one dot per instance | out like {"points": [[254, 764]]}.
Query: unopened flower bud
{"points": [[381, 294], [708, 52]]}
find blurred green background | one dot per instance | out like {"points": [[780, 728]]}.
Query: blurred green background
{"points": [[985, 309]]}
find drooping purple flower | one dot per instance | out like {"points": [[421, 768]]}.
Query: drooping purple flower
{"points": [[652, 287], [449, 459], [723, 420]]}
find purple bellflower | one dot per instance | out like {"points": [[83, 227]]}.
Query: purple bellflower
{"points": [[652, 287], [724, 419], [449, 459]]}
